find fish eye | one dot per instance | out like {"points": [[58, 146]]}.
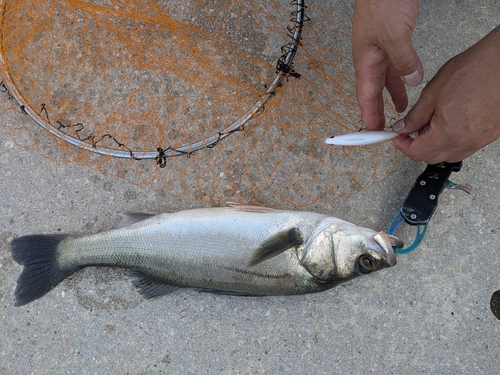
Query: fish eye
{"points": [[366, 264]]}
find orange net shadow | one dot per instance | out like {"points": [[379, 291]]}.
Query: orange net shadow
{"points": [[156, 75]]}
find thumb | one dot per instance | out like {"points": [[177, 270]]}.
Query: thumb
{"points": [[417, 117], [405, 60]]}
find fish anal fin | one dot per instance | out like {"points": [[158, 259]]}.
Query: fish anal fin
{"points": [[230, 293], [129, 218], [152, 287], [275, 245]]}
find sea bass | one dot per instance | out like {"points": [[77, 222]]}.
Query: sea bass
{"points": [[239, 250]]}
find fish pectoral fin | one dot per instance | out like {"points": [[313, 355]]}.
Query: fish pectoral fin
{"points": [[152, 287], [129, 218], [249, 208], [276, 244]]}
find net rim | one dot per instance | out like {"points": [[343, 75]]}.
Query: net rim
{"points": [[284, 68]]}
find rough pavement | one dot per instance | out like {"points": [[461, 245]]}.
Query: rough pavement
{"points": [[429, 314]]}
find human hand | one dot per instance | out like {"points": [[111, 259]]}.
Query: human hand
{"points": [[384, 55], [458, 111]]}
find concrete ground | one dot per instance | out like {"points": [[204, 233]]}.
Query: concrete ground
{"points": [[429, 314]]}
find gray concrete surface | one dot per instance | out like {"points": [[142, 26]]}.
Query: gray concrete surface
{"points": [[429, 314]]}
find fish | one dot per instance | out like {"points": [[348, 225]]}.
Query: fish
{"points": [[235, 250]]}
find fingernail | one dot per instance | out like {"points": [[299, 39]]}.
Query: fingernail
{"points": [[398, 125], [413, 79]]}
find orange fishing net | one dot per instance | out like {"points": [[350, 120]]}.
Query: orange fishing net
{"points": [[243, 92]]}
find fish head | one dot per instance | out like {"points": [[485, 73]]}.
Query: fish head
{"points": [[339, 251]]}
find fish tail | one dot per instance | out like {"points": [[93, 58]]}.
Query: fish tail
{"points": [[38, 253]]}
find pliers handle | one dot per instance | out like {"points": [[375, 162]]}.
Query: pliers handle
{"points": [[422, 200]]}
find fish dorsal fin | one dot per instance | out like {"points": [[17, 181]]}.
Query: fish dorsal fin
{"points": [[276, 244], [129, 218], [250, 208], [152, 287]]}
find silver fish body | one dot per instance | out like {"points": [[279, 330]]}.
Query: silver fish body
{"points": [[235, 250]]}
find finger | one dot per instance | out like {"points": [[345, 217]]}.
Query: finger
{"points": [[406, 62], [418, 116], [370, 99], [396, 89], [375, 120], [430, 146], [380, 120], [417, 149], [370, 66]]}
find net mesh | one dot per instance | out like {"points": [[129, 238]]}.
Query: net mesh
{"points": [[136, 76]]}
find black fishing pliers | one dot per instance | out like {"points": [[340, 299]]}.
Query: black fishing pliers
{"points": [[422, 200]]}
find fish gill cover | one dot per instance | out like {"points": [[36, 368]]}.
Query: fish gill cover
{"points": [[154, 76]]}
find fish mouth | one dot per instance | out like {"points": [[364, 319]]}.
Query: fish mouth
{"points": [[386, 242]]}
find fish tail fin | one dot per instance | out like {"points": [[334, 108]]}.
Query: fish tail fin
{"points": [[38, 253]]}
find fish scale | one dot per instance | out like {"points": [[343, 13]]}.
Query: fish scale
{"points": [[235, 250], [201, 244]]}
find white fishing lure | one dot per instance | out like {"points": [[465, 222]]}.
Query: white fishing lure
{"points": [[360, 138]]}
